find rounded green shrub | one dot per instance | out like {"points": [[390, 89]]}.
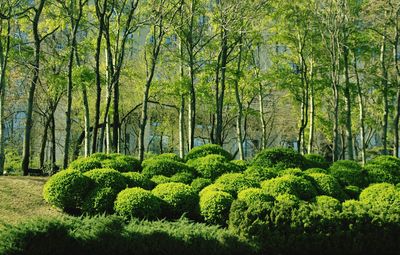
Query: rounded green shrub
{"points": [[328, 185], [259, 173], [212, 166], [383, 169], [159, 179], [279, 158], [348, 172], [134, 179], [316, 171], [316, 161], [99, 201], [215, 206], [328, 204], [100, 156], [290, 184], [137, 203], [122, 163], [378, 192], [241, 164], [292, 171], [219, 187], [236, 182], [66, 190], [207, 149], [199, 183], [183, 177], [85, 164], [107, 178], [164, 167], [179, 199], [353, 192], [252, 195]]}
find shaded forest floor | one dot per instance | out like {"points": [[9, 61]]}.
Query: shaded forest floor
{"points": [[21, 199]]}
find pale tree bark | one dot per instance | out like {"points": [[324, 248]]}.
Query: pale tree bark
{"points": [[239, 135], [397, 83], [347, 96], [385, 93], [310, 148], [361, 108]]}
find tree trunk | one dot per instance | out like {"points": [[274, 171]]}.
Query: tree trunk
{"points": [[385, 92], [361, 108], [310, 148], [262, 118], [31, 95], [53, 147], [143, 120], [44, 142], [397, 75], [239, 135], [347, 96], [87, 122]]}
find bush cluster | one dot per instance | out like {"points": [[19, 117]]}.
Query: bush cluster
{"points": [[207, 149], [316, 161], [212, 166], [290, 184], [214, 207], [279, 158], [166, 167], [348, 172], [383, 169], [119, 162]]}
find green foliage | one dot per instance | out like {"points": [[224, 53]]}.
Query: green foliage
{"points": [[86, 164], [292, 171], [122, 163], [242, 164], [316, 171], [212, 166], [179, 199], [137, 203], [134, 179], [279, 158], [316, 161], [352, 192], [290, 184], [164, 167], [199, 183], [383, 169], [251, 195], [207, 149], [328, 204], [259, 173], [107, 178], [214, 207], [236, 182], [160, 179], [99, 201], [168, 156], [12, 165], [66, 190], [328, 185], [183, 177], [348, 172]]}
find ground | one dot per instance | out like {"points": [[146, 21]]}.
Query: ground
{"points": [[21, 199]]}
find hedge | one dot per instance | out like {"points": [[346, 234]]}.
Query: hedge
{"points": [[280, 158], [207, 149]]}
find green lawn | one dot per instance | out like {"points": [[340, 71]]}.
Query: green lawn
{"points": [[21, 198]]}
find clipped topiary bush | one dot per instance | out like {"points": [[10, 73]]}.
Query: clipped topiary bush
{"points": [[164, 167], [207, 149], [328, 185], [137, 203], [353, 192], [327, 204], [219, 187], [290, 184], [107, 178], [168, 156], [66, 190], [215, 206], [199, 183], [183, 177], [259, 173], [279, 158], [85, 164], [160, 179], [383, 169], [134, 179], [292, 171], [179, 199], [348, 172], [100, 201], [212, 166], [242, 164], [316, 161], [122, 163], [316, 171], [253, 195], [236, 182]]}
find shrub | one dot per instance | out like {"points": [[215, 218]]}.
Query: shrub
{"points": [[316, 161], [348, 172], [183, 177], [99, 201], [207, 149], [236, 182], [253, 195], [279, 158], [259, 173], [383, 169], [328, 185], [160, 179], [241, 164], [214, 207], [107, 178], [199, 183], [66, 190], [316, 171], [134, 179], [290, 184], [164, 167], [100, 156], [85, 164], [353, 192], [179, 198], [170, 156], [122, 163], [218, 187], [292, 171], [212, 166], [328, 204], [138, 203], [12, 165]]}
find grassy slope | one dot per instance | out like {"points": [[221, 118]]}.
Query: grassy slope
{"points": [[21, 198]]}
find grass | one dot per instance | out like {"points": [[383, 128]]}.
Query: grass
{"points": [[21, 199]]}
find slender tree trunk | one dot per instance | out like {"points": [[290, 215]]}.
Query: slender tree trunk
{"points": [[361, 108], [87, 122], [31, 96], [310, 148], [385, 92], [347, 96], [44, 142], [182, 106], [262, 118], [53, 147], [397, 75], [191, 109], [239, 135], [143, 120]]}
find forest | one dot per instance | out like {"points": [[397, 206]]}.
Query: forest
{"points": [[80, 77]]}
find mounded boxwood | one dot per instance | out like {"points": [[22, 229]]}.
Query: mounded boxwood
{"points": [[159, 179], [279, 158], [236, 182], [215, 206], [183, 177], [137, 203], [134, 179], [328, 204], [179, 199], [85, 164], [290, 184], [316, 161], [348, 172], [219, 187], [352, 192], [383, 169], [66, 190], [99, 201], [316, 171], [122, 163], [212, 166], [292, 171], [199, 183], [242, 164], [207, 149], [252, 195], [164, 167], [328, 185], [107, 178], [259, 173]]}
